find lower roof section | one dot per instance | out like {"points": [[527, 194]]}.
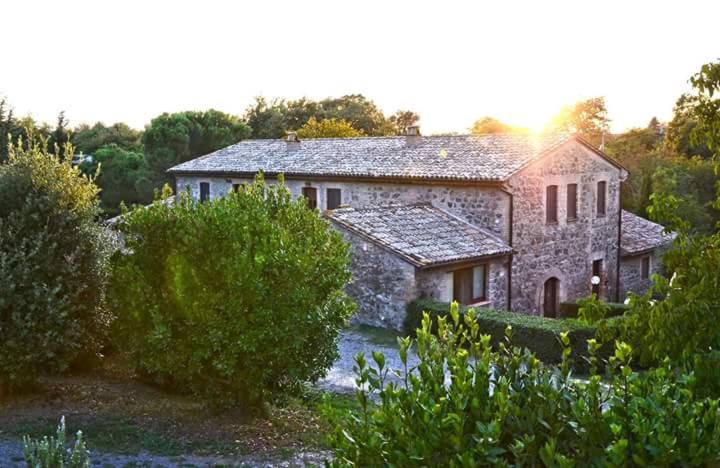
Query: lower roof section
{"points": [[421, 234], [640, 235]]}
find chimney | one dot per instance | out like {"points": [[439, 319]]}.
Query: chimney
{"points": [[412, 134], [293, 142]]}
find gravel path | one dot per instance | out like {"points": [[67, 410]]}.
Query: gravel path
{"points": [[341, 378], [11, 456]]}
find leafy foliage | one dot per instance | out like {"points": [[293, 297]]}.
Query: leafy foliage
{"points": [[224, 297], [591, 310], [171, 139], [467, 404], [124, 177], [402, 120], [488, 125], [273, 119], [588, 118], [88, 140], [328, 128], [51, 453], [52, 265], [541, 335]]}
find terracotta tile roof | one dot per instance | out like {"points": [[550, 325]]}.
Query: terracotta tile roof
{"points": [[421, 234], [462, 157], [640, 235]]}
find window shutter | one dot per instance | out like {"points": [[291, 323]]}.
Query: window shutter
{"points": [[601, 196], [551, 204], [204, 191], [310, 194], [334, 197], [572, 201]]}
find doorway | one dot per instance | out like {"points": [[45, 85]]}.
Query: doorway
{"points": [[597, 268], [551, 291]]}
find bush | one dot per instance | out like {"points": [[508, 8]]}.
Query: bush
{"points": [[51, 453], [52, 266], [468, 404], [572, 309], [538, 334], [235, 299]]}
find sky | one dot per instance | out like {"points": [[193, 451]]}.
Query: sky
{"points": [[450, 61]]}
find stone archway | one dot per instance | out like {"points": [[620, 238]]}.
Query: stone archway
{"points": [[555, 281]]}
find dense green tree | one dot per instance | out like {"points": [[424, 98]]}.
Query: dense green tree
{"points": [[88, 139], [123, 177], [588, 118], [488, 125], [171, 139], [60, 135], [273, 119], [52, 265], [231, 323], [685, 323], [328, 128]]}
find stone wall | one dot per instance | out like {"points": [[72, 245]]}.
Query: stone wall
{"points": [[437, 283], [631, 273], [482, 206], [382, 284], [565, 250]]}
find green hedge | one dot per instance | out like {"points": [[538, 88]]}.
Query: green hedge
{"points": [[571, 309], [539, 334]]}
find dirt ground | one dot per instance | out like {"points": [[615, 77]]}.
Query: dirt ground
{"points": [[119, 414]]}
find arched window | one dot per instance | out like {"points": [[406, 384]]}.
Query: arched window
{"points": [[551, 301]]}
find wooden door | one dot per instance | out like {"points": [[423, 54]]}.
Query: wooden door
{"points": [[550, 297]]}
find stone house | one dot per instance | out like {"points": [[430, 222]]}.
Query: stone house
{"points": [[515, 222]]}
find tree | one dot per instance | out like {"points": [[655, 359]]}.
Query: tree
{"points": [[88, 140], [684, 324], [328, 128], [587, 118], [402, 120], [60, 136], [231, 323], [52, 265], [489, 125], [273, 119], [124, 177], [171, 139]]}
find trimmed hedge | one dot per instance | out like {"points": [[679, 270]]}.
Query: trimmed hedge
{"points": [[538, 334], [571, 309]]}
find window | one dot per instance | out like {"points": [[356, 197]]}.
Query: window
{"points": [[334, 198], [470, 285], [236, 187], [310, 194], [601, 195], [645, 268], [551, 204], [572, 201], [204, 191]]}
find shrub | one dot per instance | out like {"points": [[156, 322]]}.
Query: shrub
{"points": [[51, 452], [538, 334], [52, 265], [572, 309], [468, 404], [235, 299]]}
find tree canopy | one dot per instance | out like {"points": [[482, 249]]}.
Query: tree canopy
{"points": [[171, 139], [273, 119], [88, 139], [328, 128], [588, 118]]}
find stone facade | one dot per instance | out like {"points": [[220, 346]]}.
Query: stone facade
{"points": [[383, 282], [566, 249], [631, 272], [482, 206]]}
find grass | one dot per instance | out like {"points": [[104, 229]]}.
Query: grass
{"points": [[379, 336]]}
